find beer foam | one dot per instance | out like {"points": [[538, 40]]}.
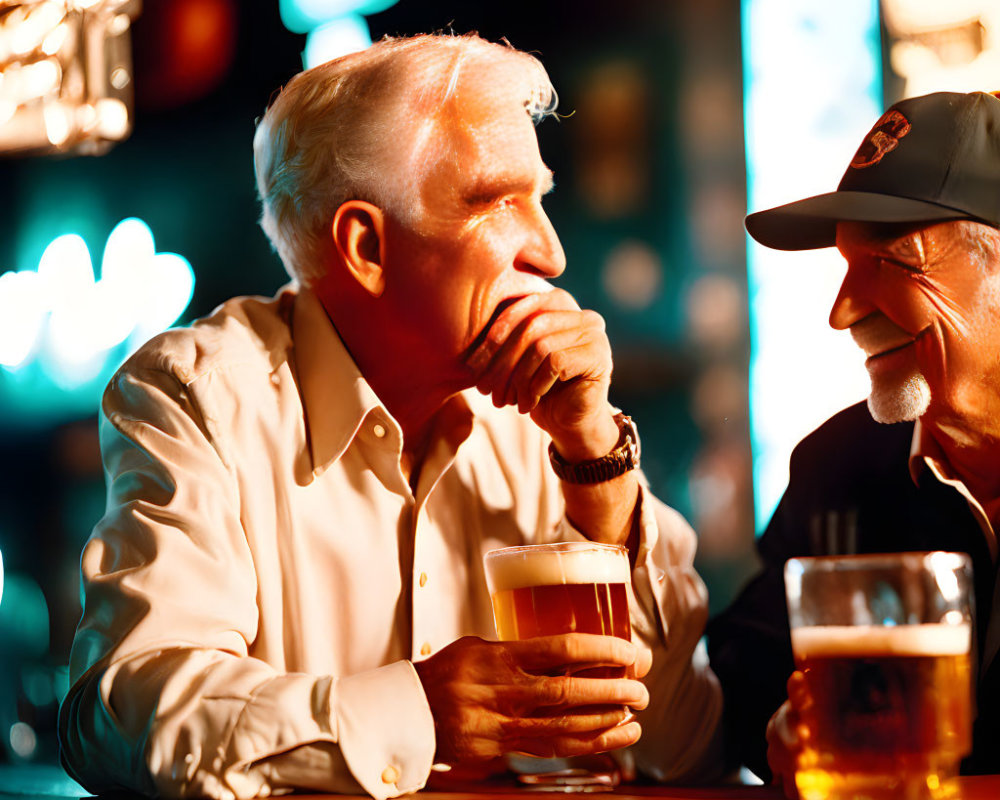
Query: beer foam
{"points": [[928, 639], [521, 567]]}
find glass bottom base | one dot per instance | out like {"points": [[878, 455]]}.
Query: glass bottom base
{"points": [[583, 774], [818, 784], [568, 780]]}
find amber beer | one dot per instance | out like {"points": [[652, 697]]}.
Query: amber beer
{"points": [[542, 590], [890, 710]]}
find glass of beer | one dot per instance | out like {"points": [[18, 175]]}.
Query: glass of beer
{"points": [[549, 589], [566, 587], [884, 643]]}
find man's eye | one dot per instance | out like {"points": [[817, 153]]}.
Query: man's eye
{"points": [[903, 265]]}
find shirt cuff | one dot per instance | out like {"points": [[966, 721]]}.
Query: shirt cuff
{"points": [[385, 729]]}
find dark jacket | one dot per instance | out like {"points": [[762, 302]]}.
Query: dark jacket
{"points": [[850, 491]]}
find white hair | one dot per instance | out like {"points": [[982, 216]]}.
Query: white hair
{"points": [[356, 128]]}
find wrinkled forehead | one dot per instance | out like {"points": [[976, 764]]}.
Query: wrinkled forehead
{"points": [[916, 242], [908, 241], [467, 99], [468, 126]]}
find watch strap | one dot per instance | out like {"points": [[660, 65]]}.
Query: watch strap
{"points": [[623, 458]]}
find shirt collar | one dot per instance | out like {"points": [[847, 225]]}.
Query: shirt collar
{"points": [[927, 454], [922, 447], [335, 396]]}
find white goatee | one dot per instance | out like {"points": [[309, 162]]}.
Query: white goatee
{"points": [[900, 401]]}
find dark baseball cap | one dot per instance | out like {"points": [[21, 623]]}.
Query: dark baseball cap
{"points": [[928, 159]]}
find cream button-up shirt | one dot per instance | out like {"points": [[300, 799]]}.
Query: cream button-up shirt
{"points": [[264, 577]]}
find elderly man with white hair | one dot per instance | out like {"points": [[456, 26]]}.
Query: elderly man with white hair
{"points": [[287, 590], [917, 219]]}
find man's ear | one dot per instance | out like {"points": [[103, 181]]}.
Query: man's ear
{"points": [[358, 234]]}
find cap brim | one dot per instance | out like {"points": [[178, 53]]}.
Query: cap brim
{"points": [[812, 223]]}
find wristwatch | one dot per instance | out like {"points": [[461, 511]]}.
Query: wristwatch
{"points": [[622, 458]]}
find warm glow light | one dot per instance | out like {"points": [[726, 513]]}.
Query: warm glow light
{"points": [[953, 46], [33, 27], [53, 42], [57, 122], [112, 118], [40, 78], [60, 60]]}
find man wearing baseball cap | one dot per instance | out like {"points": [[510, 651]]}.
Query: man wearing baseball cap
{"points": [[917, 219]]}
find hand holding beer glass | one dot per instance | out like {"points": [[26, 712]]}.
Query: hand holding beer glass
{"points": [[883, 644], [567, 587]]}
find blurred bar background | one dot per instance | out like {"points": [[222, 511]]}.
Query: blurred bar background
{"points": [[127, 205]]}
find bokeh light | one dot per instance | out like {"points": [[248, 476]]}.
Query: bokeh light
{"points": [[62, 332]]}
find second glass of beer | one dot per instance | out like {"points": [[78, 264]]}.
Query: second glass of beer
{"points": [[883, 642]]}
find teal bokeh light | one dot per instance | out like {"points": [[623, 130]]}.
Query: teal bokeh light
{"points": [[344, 35], [24, 620], [63, 332], [302, 16]]}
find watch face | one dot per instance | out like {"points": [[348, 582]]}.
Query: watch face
{"points": [[633, 438]]}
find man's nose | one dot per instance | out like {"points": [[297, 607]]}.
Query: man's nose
{"points": [[542, 252], [852, 303]]}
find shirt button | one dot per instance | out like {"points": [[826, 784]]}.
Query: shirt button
{"points": [[378, 430], [423, 579], [390, 775], [426, 649]]}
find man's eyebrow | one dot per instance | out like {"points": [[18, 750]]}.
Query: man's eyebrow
{"points": [[486, 189], [909, 248]]}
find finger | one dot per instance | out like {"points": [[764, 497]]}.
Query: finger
{"points": [[502, 326], [582, 351], [798, 691], [586, 720], [584, 361], [532, 340], [537, 365], [581, 745], [569, 691], [551, 653]]}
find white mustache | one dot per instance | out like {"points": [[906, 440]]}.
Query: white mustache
{"points": [[876, 334]]}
